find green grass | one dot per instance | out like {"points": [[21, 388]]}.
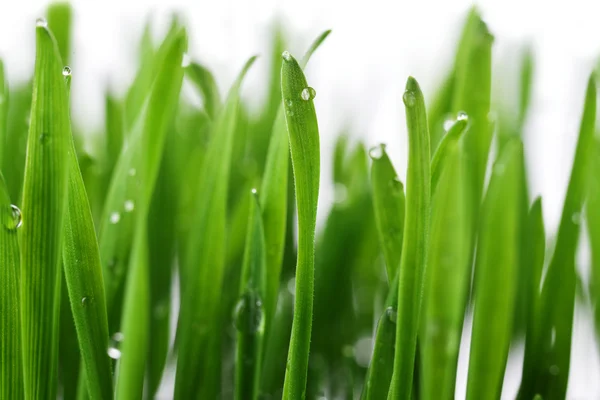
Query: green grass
{"points": [[214, 207]]}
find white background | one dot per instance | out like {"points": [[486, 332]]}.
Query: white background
{"points": [[359, 75]]}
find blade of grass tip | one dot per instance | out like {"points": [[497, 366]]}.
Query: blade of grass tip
{"points": [[448, 272], [416, 226], [303, 134], [114, 132], [83, 275], [526, 84], [207, 86], [160, 110], [593, 225], [249, 312], [204, 263], [3, 114], [11, 370], [440, 107], [388, 204], [558, 291], [534, 263], [495, 277], [274, 199], [44, 201], [59, 16]]}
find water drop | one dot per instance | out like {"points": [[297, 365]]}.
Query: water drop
{"points": [[115, 217], [448, 124], [554, 370], [409, 99], [286, 56], [114, 345], [391, 314], [576, 218], [254, 191], [41, 22], [129, 206], [308, 93], [462, 116], [44, 138], [376, 152], [340, 193], [290, 113], [291, 286], [85, 301], [66, 71], [14, 220], [248, 315], [363, 348], [132, 172], [186, 60], [289, 102]]}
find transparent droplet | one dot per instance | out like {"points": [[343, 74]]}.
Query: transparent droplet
{"points": [[576, 218], [14, 220], [132, 172], [376, 152], [448, 124], [462, 116], [286, 56], [129, 206], [308, 93], [115, 217], [248, 316], [66, 71], [554, 370], [340, 193], [85, 301], [44, 138], [391, 314], [41, 22], [289, 102], [254, 191], [290, 113], [409, 99], [291, 286], [363, 348], [186, 60], [114, 345]]}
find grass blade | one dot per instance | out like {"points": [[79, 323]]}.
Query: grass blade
{"points": [[44, 201], [60, 15], [593, 225], [303, 135], [206, 84], [388, 204], [455, 133], [416, 226], [11, 368], [3, 115], [249, 313], [495, 277]]}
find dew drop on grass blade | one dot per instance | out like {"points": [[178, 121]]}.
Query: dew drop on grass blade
{"points": [[303, 133], [416, 226], [44, 201], [11, 369], [495, 276]]}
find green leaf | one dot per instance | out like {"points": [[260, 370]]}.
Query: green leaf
{"points": [[388, 204], [3, 115], [11, 369], [44, 201], [249, 312], [558, 292], [495, 276], [593, 224], [60, 15], [439, 109], [303, 135], [416, 226], [206, 84], [455, 133], [204, 263]]}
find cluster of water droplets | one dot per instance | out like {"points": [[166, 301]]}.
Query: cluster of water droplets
{"points": [[13, 220], [461, 116], [114, 346], [308, 93]]}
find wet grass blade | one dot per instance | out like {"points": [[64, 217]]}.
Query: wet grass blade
{"points": [[249, 313], [439, 157], [44, 201], [593, 225], [303, 135], [558, 291], [448, 272], [204, 263], [495, 277], [416, 227], [59, 16], [388, 203], [11, 368], [207, 86], [439, 109]]}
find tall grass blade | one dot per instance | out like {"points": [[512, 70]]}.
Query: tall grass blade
{"points": [[3, 115], [207, 86], [59, 16], [593, 224]]}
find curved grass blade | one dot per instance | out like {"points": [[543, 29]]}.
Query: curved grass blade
{"points": [[114, 132], [534, 262], [313, 47], [303, 135], [495, 276], [388, 204], [204, 263], [44, 201], [160, 110], [440, 107], [416, 226], [59, 16], [206, 84], [455, 133], [558, 291], [11, 368], [593, 225], [249, 313]]}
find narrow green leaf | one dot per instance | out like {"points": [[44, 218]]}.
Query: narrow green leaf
{"points": [[44, 201], [3, 115], [388, 204], [558, 291], [495, 277], [303, 135], [526, 84], [416, 227], [448, 141], [593, 224], [313, 47], [11, 369], [439, 109], [114, 132], [60, 15], [206, 84], [249, 312]]}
